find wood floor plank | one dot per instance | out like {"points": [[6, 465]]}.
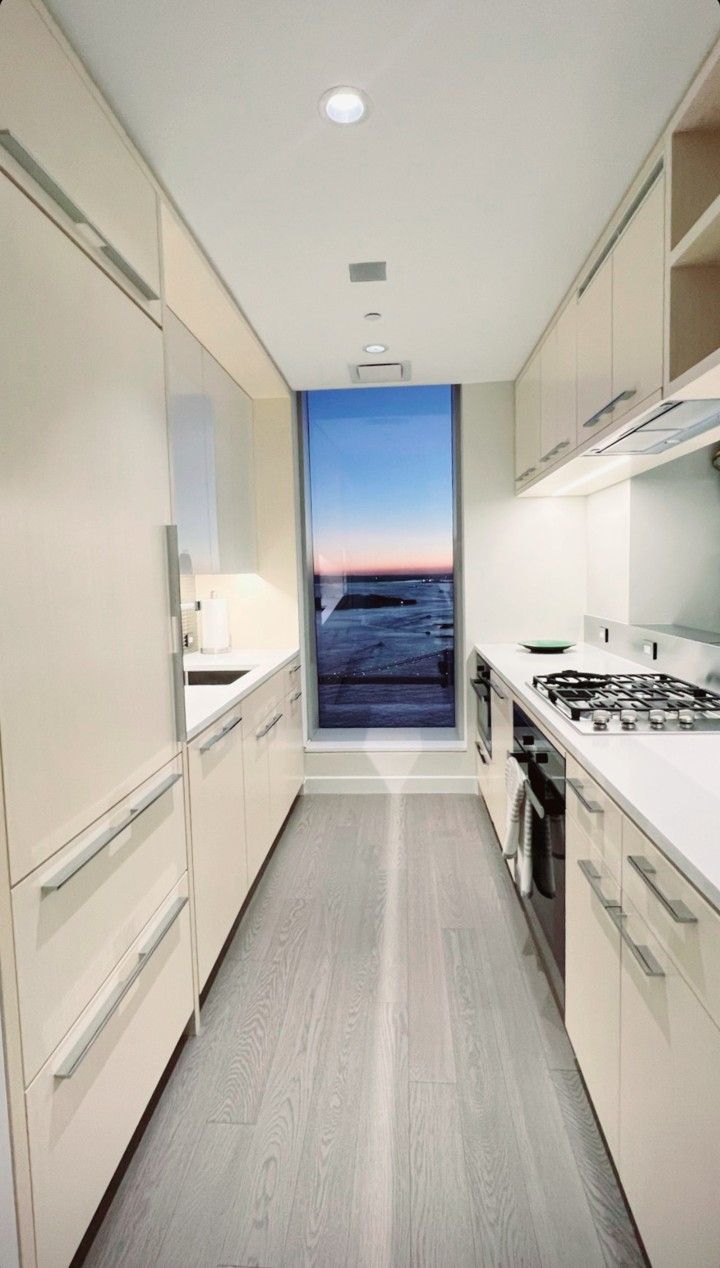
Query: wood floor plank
{"points": [[430, 1040], [441, 1226], [561, 1216], [196, 1232], [614, 1226], [503, 1228], [379, 1227]]}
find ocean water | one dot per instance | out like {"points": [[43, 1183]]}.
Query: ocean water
{"points": [[385, 666]]}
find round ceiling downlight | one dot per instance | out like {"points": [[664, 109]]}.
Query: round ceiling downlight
{"points": [[344, 105], [375, 348]]}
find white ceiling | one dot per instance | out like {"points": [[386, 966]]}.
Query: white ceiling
{"points": [[502, 135]]}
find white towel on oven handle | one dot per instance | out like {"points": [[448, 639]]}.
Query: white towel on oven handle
{"points": [[518, 833]]}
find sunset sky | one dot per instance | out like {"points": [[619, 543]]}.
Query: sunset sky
{"points": [[381, 479]]}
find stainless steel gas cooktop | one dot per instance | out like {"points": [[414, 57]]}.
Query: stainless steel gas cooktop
{"points": [[630, 704]]}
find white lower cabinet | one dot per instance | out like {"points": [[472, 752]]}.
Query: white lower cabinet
{"points": [[75, 917], [641, 1010], [272, 760], [217, 808], [669, 1109], [86, 1101], [491, 767], [592, 975]]}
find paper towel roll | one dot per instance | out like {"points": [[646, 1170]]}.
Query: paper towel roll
{"points": [[215, 624]]}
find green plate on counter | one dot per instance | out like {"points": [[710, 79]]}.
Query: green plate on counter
{"points": [[549, 646]]}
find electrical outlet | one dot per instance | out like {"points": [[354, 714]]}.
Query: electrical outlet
{"points": [[649, 649], [604, 634]]}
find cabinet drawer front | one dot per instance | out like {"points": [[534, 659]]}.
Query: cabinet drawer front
{"points": [[596, 813], [686, 926], [76, 916], [259, 708], [50, 113], [669, 1109], [217, 808], [79, 1124], [592, 976]]}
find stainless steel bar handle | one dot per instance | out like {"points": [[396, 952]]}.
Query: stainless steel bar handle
{"points": [[77, 1054], [679, 911], [56, 880], [294, 669], [593, 878], [217, 736], [268, 726], [42, 177], [173, 568], [627, 395], [497, 690], [642, 954], [483, 755], [593, 807], [295, 696]]}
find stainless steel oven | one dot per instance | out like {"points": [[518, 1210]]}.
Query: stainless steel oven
{"points": [[545, 768], [481, 686]]}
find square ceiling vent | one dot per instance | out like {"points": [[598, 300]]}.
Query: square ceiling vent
{"points": [[381, 372], [368, 271]]}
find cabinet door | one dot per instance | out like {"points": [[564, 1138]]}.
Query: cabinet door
{"points": [[669, 1109], [294, 754], [217, 805], [594, 352], [257, 714], [592, 976], [49, 111], [235, 548], [527, 421], [86, 687], [638, 289], [549, 382], [502, 741], [564, 435], [191, 447]]}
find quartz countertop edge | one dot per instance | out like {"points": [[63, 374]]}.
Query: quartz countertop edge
{"points": [[669, 785], [204, 705]]}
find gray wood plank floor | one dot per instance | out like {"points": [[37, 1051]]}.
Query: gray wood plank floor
{"points": [[382, 1079]]}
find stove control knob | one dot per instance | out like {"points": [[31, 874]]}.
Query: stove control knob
{"points": [[628, 719], [686, 718], [600, 719], [656, 717]]}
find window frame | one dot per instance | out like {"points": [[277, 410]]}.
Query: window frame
{"points": [[378, 738]]}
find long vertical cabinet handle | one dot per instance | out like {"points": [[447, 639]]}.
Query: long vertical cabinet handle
{"points": [[173, 567], [77, 1054]]}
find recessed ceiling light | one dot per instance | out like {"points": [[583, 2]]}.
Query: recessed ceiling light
{"points": [[344, 105], [373, 316], [375, 348]]}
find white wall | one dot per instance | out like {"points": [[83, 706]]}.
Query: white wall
{"points": [[608, 552], [653, 546]]}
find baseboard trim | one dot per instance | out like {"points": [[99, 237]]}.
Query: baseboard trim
{"points": [[390, 784]]}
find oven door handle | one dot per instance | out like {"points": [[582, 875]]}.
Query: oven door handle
{"points": [[477, 684], [536, 805]]}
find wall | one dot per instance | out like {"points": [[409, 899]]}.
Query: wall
{"points": [[263, 608], [654, 546]]}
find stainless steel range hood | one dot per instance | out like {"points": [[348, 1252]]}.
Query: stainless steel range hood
{"points": [[667, 424]]}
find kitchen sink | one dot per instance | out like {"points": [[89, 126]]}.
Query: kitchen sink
{"points": [[213, 677]]}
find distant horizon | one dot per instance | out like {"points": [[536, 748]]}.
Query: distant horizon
{"points": [[389, 574]]}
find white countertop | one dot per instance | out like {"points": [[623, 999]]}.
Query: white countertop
{"points": [[668, 784], [204, 705]]}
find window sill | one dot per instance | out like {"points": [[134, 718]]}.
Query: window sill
{"points": [[413, 742]]}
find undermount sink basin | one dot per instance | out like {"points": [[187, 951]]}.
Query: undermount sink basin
{"points": [[213, 677]]}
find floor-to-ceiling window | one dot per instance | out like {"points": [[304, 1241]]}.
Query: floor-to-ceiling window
{"points": [[380, 487]]}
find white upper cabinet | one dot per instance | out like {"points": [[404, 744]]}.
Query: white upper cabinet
{"points": [[212, 459], [637, 320], [558, 374], [86, 685], [58, 138], [527, 421], [594, 352]]}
